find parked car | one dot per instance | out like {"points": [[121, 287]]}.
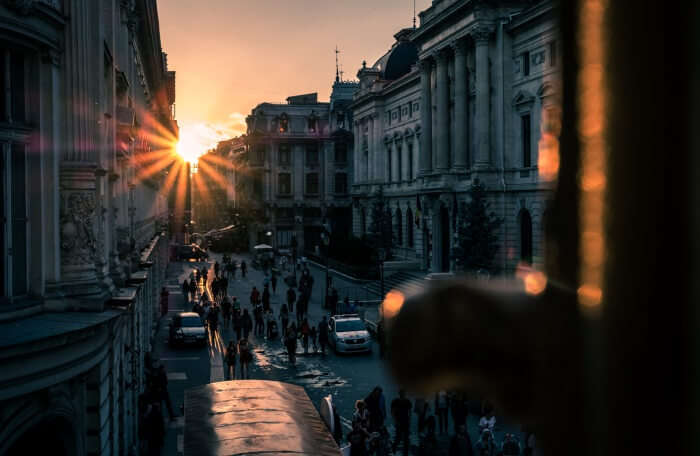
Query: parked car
{"points": [[191, 252], [187, 328], [348, 334]]}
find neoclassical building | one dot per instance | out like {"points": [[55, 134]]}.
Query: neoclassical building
{"points": [[469, 94], [299, 167], [85, 96]]}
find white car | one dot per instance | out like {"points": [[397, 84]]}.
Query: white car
{"points": [[348, 334]]}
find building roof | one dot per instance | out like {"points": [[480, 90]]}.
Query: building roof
{"points": [[398, 61]]}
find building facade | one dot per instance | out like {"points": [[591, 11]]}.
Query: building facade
{"points": [[84, 93], [299, 163], [469, 94]]}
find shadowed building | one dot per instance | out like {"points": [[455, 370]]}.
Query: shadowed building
{"points": [[86, 103], [469, 94]]}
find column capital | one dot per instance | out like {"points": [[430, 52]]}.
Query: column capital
{"points": [[425, 65], [442, 56], [459, 46], [481, 33]]}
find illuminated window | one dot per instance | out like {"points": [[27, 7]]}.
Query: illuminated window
{"points": [[283, 123], [313, 124]]}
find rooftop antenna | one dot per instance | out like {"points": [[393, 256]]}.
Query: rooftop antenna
{"points": [[337, 69], [414, 13]]}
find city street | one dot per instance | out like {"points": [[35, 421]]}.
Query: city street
{"points": [[346, 377]]}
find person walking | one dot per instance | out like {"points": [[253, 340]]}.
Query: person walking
{"points": [[237, 322], [273, 282], [245, 355], [254, 296], [510, 446], [160, 383], [459, 410], [441, 407], [291, 297], [205, 275], [259, 322], [246, 324], [460, 443], [323, 334], [305, 335], [230, 358], [271, 321], [244, 268], [358, 440], [485, 446], [428, 443], [300, 308], [186, 292], [216, 268], [232, 269], [381, 338], [401, 412], [313, 335], [361, 415], [376, 412], [193, 289], [197, 275], [226, 312], [284, 319], [291, 343], [421, 407]]}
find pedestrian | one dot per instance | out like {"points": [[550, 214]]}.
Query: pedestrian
{"points": [[291, 297], [376, 409], [266, 298], [254, 296], [231, 352], [510, 446], [460, 443], [487, 422], [421, 407], [226, 312], [441, 408], [154, 429], [186, 292], [216, 269], [213, 318], [381, 338], [237, 322], [164, 297], [305, 330], [291, 343], [161, 390], [485, 446], [284, 319], [428, 443], [246, 324], [361, 415], [401, 412], [271, 322], [300, 308], [205, 276], [244, 268], [245, 355], [197, 275], [323, 334], [193, 289], [358, 441], [273, 282], [259, 321], [232, 269]]}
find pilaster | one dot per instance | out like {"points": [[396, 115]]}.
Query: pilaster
{"points": [[442, 125], [426, 118], [481, 35], [461, 109]]}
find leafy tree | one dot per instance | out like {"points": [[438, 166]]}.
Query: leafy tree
{"points": [[477, 238], [380, 233]]}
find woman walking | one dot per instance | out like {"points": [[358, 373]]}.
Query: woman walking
{"points": [[246, 356], [231, 352]]}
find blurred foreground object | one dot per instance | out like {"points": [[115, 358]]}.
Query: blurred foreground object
{"points": [[591, 352]]}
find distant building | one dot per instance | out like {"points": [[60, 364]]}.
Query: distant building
{"points": [[469, 94], [299, 163], [86, 103]]}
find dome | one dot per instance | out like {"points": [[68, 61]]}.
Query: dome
{"points": [[398, 61]]}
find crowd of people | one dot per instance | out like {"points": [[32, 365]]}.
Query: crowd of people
{"points": [[370, 436]]}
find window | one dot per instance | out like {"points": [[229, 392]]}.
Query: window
{"points": [[340, 120], [283, 124], [552, 54], [341, 152], [526, 63], [285, 183], [284, 237], [311, 154], [410, 161], [312, 183], [525, 236], [257, 184], [341, 183], [284, 154], [12, 86], [313, 124], [525, 134]]}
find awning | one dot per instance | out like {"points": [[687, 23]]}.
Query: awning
{"points": [[242, 417]]}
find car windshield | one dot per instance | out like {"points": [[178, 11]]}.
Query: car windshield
{"points": [[191, 322], [349, 325]]}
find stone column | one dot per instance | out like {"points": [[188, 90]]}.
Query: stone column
{"points": [[461, 100], [395, 170], [426, 118], [442, 126], [404, 160], [371, 149], [379, 157], [356, 153], [483, 111]]}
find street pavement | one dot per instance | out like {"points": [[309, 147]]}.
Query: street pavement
{"points": [[346, 377]]}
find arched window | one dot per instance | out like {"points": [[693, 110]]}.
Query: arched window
{"points": [[399, 227], [409, 227], [525, 236]]}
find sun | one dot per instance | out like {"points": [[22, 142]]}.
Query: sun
{"points": [[189, 147]]}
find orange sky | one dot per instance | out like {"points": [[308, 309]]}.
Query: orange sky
{"points": [[230, 55]]}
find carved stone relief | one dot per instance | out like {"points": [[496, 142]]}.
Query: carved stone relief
{"points": [[78, 241]]}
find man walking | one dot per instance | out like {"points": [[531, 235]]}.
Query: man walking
{"points": [[323, 334], [291, 297], [401, 412]]}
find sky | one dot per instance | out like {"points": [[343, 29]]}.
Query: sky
{"points": [[231, 55]]}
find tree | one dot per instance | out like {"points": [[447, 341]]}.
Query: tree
{"points": [[380, 233], [477, 239]]}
